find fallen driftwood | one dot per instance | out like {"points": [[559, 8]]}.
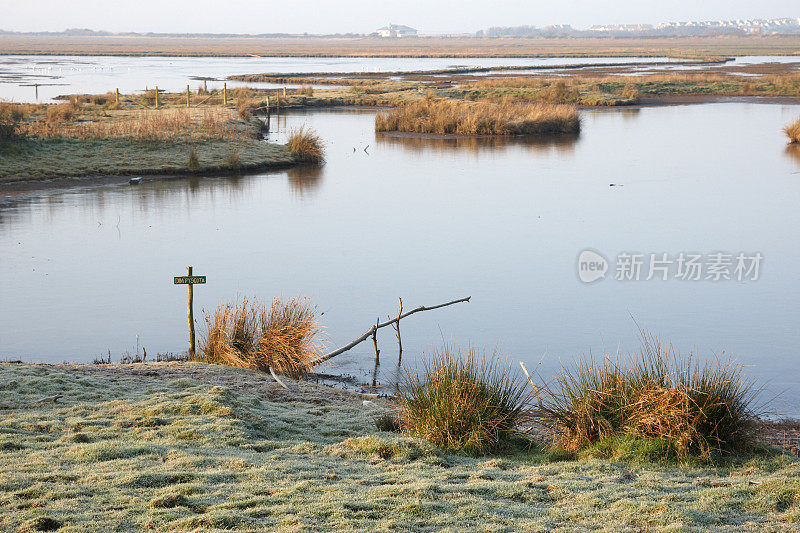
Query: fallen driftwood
{"points": [[371, 331]]}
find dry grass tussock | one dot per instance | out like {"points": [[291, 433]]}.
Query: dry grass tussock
{"points": [[10, 117], [694, 409], [306, 145], [793, 131], [282, 336], [167, 124], [448, 117], [462, 401]]}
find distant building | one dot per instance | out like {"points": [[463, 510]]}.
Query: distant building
{"points": [[396, 30]]}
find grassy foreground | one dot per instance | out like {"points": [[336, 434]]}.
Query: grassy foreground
{"points": [[186, 446]]}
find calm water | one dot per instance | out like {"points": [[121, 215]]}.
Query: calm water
{"points": [[59, 75], [88, 269]]}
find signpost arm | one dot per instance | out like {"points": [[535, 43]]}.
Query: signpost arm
{"points": [[190, 313]]}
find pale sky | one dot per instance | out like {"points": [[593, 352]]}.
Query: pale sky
{"points": [[364, 16]]}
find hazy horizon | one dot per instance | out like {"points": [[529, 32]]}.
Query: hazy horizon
{"points": [[360, 16]]}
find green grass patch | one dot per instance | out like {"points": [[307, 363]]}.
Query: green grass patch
{"points": [[54, 157], [311, 458]]}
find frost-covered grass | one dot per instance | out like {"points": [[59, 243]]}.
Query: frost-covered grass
{"points": [[171, 446]]}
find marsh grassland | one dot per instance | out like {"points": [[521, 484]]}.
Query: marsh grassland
{"points": [[180, 446], [96, 136]]}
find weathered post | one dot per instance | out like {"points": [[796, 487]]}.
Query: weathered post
{"points": [[190, 280], [190, 312], [225, 94], [157, 102], [284, 92], [188, 92], [116, 93]]}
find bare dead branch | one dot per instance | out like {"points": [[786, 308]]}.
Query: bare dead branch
{"points": [[396, 327], [379, 325]]}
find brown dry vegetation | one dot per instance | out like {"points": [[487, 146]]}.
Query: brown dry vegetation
{"points": [[793, 131], [164, 124], [247, 334], [691, 408], [306, 145], [448, 117]]}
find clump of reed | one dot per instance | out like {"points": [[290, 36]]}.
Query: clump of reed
{"points": [[793, 132], [233, 159], [560, 92], [631, 92], [694, 409], [194, 163], [306, 145], [60, 113], [462, 401], [448, 117], [248, 334], [10, 117]]}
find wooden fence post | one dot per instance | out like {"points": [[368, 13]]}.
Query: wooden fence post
{"points": [[190, 313], [188, 92], [116, 92], [225, 94], [157, 103]]}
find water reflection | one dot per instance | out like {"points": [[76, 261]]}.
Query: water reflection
{"points": [[562, 145], [793, 152], [305, 179], [155, 195]]}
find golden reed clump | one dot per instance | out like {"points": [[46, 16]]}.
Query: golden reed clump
{"points": [[247, 334], [695, 409], [793, 131], [306, 145], [449, 117]]}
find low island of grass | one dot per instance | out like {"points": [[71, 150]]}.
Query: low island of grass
{"points": [[80, 139], [449, 117]]}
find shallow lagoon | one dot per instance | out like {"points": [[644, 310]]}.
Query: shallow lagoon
{"points": [[86, 270]]}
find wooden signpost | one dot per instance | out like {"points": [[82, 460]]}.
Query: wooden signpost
{"points": [[190, 280]]}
